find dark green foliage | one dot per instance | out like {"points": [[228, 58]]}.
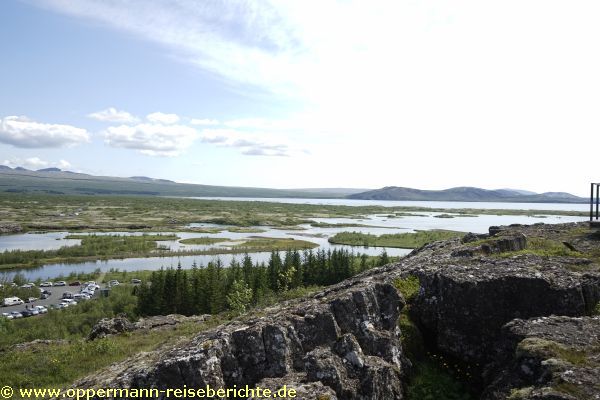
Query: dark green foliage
{"points": [[408, 287], [432, 376], [409, 240], [214, 289], [97, 246], [433, 381], [72, 322]]}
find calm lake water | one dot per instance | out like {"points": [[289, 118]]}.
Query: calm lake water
{"points": [[374, 224], [428, 204]]}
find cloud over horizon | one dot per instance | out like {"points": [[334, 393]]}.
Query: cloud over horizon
{"points": [[250, 143], [36, 163], [20, 131], [111, 114], [152, 139], [162, 118]]}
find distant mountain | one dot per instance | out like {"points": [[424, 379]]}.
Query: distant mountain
{"points": [[333, 191], [467, 194], [519, 191], [55, 181], [49, 170]]}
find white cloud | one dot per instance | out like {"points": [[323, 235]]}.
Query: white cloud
{"points": [[63, 164], [111, 114], [25, 133], [204, 121], [36, 163], [394, 83], [250, 143], [162, 118], [152, 139]]}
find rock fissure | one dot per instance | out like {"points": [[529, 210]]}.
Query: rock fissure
{"points": [[494, 303]]}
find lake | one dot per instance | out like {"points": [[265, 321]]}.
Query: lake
{"points": [[373, 224]]}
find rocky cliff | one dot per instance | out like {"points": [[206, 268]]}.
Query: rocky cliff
{"points": [[516, 305]]}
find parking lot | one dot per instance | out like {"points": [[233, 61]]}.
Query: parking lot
{"points": [[54, 299]]}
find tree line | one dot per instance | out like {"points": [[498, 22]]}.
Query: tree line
{"points": [[214, 288]]}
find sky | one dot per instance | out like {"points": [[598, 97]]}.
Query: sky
{"points": [[306, 94]]}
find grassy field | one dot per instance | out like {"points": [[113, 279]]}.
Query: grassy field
{"points": [[104, 247], [203, 240], [256, 244], [410, 240], [106, 213]]}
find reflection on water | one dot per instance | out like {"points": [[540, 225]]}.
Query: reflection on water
{"points": [[373, 224]]}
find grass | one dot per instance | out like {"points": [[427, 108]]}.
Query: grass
{"points": [[58, 364], [143, 237], [270, 244], [432, 377], [203, 240], [92, 247], [432, 381], [548, 248], [147, 213], [103, 247], [408, 287], [546, 349], [402, 240], [240, 229]]}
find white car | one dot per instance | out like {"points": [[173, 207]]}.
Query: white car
{"points": [[70, 302], [60, 283], [16, 314], [27, 286], [46, 284], [7, 315], [41, 309], [12, 301]]}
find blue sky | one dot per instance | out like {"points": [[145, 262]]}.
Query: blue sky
{"points": [[305, 94]]}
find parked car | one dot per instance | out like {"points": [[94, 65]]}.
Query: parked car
{"points": [[67, 295], [114, 282], [34, 311], [26, 313], [30, 299], [136, 281], [41, 309], [44, 296], [16, 314], [75, 283], [27, 286], [7, 315], [12, 301], [81, 296], [46, 291], [46, 284], [60, 283], [61, 305]]}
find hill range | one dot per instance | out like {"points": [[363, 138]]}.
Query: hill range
{"points": [[56, 181]]}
